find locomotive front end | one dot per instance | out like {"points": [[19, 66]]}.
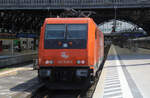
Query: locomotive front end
{"points": [[63, 53]]}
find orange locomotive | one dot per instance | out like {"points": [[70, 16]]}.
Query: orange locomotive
{"points": [[70, 49]]}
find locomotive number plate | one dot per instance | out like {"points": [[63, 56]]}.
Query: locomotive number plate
{"points": [[65, 62]]}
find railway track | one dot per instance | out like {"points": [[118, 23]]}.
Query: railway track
{"points": [[43, 92]]}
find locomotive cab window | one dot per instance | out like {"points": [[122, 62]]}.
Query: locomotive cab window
{"points": [[77, 31], [96, 33], [59, 36], [55, 31]]}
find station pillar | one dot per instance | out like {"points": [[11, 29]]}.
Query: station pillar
{"points": [[1, 46], [34, 44], [12, 47]]}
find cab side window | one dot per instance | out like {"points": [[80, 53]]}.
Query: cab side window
{"points": [[96, 31]]}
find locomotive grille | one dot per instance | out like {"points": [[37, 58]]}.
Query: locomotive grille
{"points": [[64, 75]]}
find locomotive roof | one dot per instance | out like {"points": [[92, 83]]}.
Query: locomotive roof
{"points": [[53, 20]]}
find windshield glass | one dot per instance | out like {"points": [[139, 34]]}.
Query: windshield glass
{"points": [[66, 31], [76, 31], [55, 31]]}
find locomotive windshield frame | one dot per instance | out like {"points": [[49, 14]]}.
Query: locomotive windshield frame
{"points": [[59, 36], [66, 31]]}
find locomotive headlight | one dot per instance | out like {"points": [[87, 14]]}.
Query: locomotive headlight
{"points": [[46, 62], [78, 61], [83, 62], [51, 62]]}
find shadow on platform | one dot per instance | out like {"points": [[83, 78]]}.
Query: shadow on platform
{"points": [[28, 86]]}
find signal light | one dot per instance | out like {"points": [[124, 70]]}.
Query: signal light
{"points": [[70, 43], [59, 43], [78, 62], [65, 45]]}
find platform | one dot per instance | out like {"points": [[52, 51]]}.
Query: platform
{"points": [[125, 75], [21, 57], [8, 53], [19, 83]]}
